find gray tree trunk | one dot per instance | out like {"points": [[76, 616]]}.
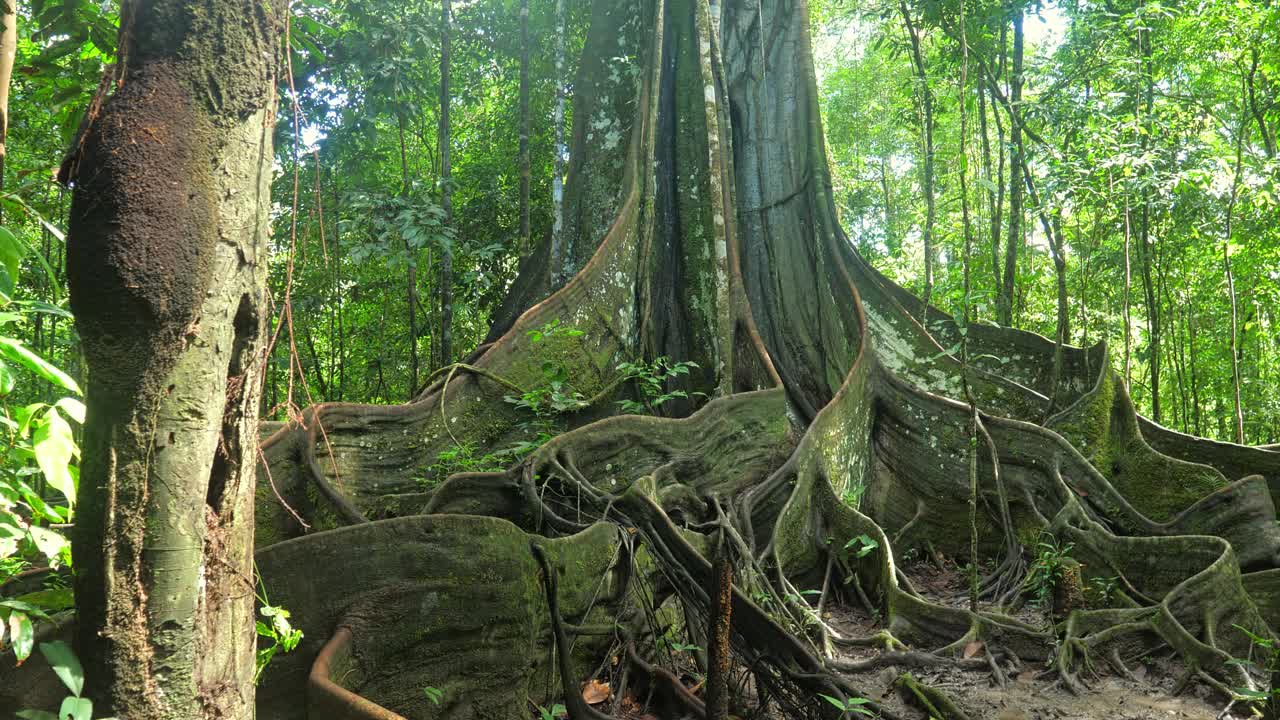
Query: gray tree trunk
{"points": [[167, 269]]}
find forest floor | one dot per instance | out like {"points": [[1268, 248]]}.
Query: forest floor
{"points": [[1031, 693]]}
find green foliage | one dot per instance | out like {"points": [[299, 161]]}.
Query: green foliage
{"points": [[1135, 158], [853, 496], [1269, 665], [554, 395], [434, 694], [861, 546], [462, 458], [1047, 569], [67, 667], [276, 629], [848, 708], [1102, 590], [650, 380], [552, 713]]}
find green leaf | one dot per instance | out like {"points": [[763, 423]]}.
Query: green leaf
{"points": [[65, 665], [18, 353], [49, 543], [22, 635], [24, 607], [55, 446], [73, 408], [7, 379], [52, 599], [11, 252], [36, 715], [75, 708]]}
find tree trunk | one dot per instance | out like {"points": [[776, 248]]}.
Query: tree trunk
{"points": [[167, 270], [926, 132], [525, 171], [446, 190], [557, 163], [1238, 415], [1013, 245], [8, 52]]}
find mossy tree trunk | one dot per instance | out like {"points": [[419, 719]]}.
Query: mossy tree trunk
{"points": [[167, 268]]}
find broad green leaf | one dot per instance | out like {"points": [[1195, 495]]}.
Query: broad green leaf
{"points": [[7, 379], [49, 543], [65, 665], [22, 635], [24, 607], [76, 708], [73, 408], [18, 353], [55, 446], [11, 252], [52, 599]]}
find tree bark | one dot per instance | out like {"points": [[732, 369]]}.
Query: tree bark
{"points": [[557, 164], [1013, 244], [926, 131], [446, 190], [1238, 415], [524, 129], [167, 270], [8, 52]]}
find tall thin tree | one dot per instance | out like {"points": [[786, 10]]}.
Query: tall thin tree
{"points": [[446, 189], [525, 171], [557, 165]]}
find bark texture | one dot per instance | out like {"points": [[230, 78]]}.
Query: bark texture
{"points": [[166, 263]]}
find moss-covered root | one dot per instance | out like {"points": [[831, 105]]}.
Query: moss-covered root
{"points": [[930, 699]]}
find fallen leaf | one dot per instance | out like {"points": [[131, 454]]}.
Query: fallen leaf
{"points": [[972, 649], [595, 692], [1026, 676]]}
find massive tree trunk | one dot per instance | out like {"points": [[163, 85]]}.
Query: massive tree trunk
{"points": [[167, 268], [699, 225]]}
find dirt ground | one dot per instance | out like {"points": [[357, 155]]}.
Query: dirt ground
{"points": [[1031, 693]]}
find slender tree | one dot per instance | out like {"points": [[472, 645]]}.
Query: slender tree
{"points": [[446, 189], [525, 170], [1014, 241], [167, 269], [926, 137], [8, 52], [557, 165]]}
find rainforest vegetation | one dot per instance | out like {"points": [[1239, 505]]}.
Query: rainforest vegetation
{"points": [[631, 359]]}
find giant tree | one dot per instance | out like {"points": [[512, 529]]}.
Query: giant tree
{"points": [[166, 261], [700, 224]]}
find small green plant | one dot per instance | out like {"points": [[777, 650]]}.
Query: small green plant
{"points": [[861, 546], [460, 458], [553, 712], [650, 380], [849, 707], [1269, 667], [1102, 590], [434, 694], [555, 395], [283, 635], [67, 667], [853, 496], [1047, 569]]}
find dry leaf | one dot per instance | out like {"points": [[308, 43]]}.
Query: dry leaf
{"points": [[595, 692], [972, 649], [1026, 676]]}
